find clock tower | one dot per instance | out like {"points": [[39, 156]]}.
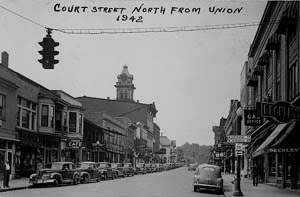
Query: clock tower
{"points": [[124, 85]]}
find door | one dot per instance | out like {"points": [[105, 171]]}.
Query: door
{"points": [[2, 159]]}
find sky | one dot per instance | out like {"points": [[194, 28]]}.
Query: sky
{"points": [[191, 76]]}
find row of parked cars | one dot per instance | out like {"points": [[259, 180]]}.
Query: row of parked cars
{"points": [[66, 172]]}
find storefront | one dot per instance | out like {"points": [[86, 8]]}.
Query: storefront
{"points": [[7, 151], [279, 156], [34, 152], [71, 150]]}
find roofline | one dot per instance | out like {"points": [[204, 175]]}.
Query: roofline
{"points": [[112, 100], [32, 82], [261, 28]]}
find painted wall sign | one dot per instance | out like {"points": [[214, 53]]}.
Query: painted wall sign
{"points": [[238, 138], [252, 118], [281, 112], [284, 150], [74, 143]]}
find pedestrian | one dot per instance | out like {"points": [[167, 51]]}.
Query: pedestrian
{"points": [[7, 169], [255, 175]]}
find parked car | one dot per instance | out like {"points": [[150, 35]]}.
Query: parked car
{"points": [[128, 169], [105, 170], [118, 169], [58, 173], [209, 177], [140, 168], [148, 167], [89, 172], [166, 166]]}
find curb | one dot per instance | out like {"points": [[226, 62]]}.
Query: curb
{"points": [[14, 188]]}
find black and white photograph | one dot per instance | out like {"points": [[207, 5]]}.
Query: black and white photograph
{"points": [[149, 98]]}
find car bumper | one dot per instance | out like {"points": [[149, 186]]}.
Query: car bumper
{"points": [[208, 186], [41, 181]]}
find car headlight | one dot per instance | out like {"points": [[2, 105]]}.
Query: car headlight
{"points": [[32, 176], [52, 176]]}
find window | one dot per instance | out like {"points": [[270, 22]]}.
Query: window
{"points": [[2, 106], [26, 115], [47, 115], [72, 121], [65, 120], [44, 116], [80, 123], [58, 120], [277, 80], [293, 80]]}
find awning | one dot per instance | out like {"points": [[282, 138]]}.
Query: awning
{"points": [[266, 125], [286, 134], [259, 137], [261, 149]]}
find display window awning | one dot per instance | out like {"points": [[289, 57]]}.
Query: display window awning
{"points": [[276, 132], [286, 134], [261, 129]]}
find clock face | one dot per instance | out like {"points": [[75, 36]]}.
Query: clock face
{"points": [[123, 77]]}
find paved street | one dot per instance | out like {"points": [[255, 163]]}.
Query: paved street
{"points": [[177, 182]]}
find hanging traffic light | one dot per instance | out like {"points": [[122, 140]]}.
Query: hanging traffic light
{"points": [[48, 53]]}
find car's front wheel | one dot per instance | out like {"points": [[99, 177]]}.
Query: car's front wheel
{"points": [[98, 178], [85, 179], [75, 180], [195, 188]]}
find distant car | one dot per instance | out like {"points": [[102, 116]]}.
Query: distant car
{"points": [[208, 176], [89, 172], [105, 170], [57, 173], [118, 169], [128, 169], [148, 167], [192, 166], [140, 168]]}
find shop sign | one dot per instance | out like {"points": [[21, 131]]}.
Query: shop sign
{"points": [[284, 150], [252, 118], [238, 138], [74, 143], [238, 149], [281, 111]]}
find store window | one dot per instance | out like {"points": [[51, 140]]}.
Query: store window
{"points": [[2, 107], [280, 165], [26, 115], [72, 121], [272, 164]]}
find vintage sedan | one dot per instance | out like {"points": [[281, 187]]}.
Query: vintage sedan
{"points": [[105, 170], [128, 169], [58, 173], [148, 167], [118, 169], [140, 168], [208, 176], [89, 172]]}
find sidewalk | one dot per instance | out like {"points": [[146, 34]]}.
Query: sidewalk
{"points": [[264, 190], [15, 184]]}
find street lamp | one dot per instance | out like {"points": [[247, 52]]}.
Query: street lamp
{"points": [[237, 183]]}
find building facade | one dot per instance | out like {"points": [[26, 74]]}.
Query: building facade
{"points": [[38, 126], [273, 79]]}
